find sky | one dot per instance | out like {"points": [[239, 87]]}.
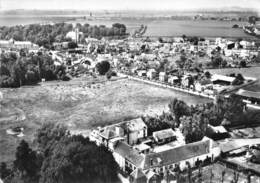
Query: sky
{"points": [[127, 4]]}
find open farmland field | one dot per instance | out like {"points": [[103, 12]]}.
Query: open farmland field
{"points": [[80, 104], [249, 72]]}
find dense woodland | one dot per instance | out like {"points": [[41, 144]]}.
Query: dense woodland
{"points": [[45, 35], [193, 120], [60, 158], [28, 68]]}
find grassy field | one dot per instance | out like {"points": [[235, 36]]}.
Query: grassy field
{"points": [[80, 104], [249, 72]]}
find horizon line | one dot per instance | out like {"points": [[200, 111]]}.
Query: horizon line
{"points": [[237, 8]]}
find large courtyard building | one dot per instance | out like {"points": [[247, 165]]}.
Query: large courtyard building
{"points": [[148, 157]]}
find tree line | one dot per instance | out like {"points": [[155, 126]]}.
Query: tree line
{"points": [[45, 35], [193, 120], [28, 68], [60, 158]]}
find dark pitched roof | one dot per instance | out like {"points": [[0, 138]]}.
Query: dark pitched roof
{"points": [[176, 155], [129, 153]]}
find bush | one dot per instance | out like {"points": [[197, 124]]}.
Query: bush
{"points": [[103, 67], [242, 63], [110, 73], [72, 45]]}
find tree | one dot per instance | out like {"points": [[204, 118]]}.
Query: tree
{"points": [[207, 74], [76, 159], [211, 174], [248, 177], [184, 37], [189, 171], [103, 67], [181, 62], [48, 135], [72, 45], [236, 177], [252, 20], [28, 69], [160, 39], [242, 63], [4, 171], [178, 108], [194, 127], [26, 160], [238, 80], [217, 61], [157, 123], [223, 176], [121, 27]]}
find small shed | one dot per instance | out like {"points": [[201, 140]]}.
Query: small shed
{"points": [[164, 136]]}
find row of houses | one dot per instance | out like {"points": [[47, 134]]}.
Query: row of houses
{"points": [[214, 85], [12, 44]]}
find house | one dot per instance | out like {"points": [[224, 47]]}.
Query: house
{"points": [[220, 42], [151, 74], [25, 45], [164, 136], [17, 44], [158, 162], [106, 135], [91, 40], [173, 80], [129, 159], [74, 35], [132, 131], [141, 73], [222, 80], [217, 132], [5, 43], [136, 130], [62, 45], [185, 81], [246, 44], [203, 84], [162, 76]]}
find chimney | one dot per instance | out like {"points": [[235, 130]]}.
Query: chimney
{"points": [[151, 162]]}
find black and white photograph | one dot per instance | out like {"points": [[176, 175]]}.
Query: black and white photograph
{"points": [[129, 91]]}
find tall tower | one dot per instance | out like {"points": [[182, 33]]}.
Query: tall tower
{"points": [[77, 35]]}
